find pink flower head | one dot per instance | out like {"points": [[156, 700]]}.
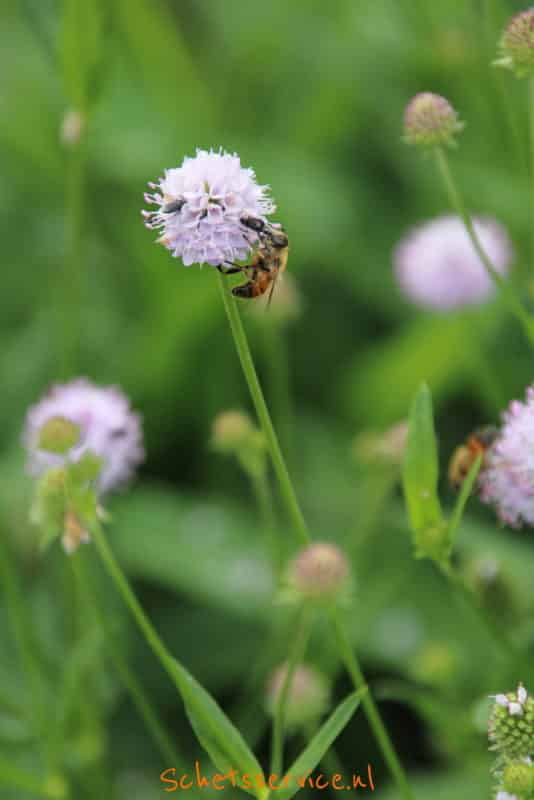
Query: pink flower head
{"points": [[200, 206], [108, 428], [507, 480], [438, 268]]}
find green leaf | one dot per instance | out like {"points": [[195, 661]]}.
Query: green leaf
{"points": [[463, 497], [320, 744], [215, 732], [420, 479]]}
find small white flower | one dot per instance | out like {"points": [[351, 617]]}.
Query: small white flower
{"points": [[200, 206], [514, 703], [506, 796], [109, 429], [438, 268], [507, 479]]}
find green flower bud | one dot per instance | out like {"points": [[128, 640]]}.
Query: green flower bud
{"points": [[430, 121], [308, 697], [320, 573], [511, 725], [436, 664], [234, 433], [58, 435], [518, 778], [517, 45]]}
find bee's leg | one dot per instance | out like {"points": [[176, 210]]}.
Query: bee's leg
{"points": [[235, 268]]}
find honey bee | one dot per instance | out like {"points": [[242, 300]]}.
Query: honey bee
{"points": [[269, 261], [466, 454]]}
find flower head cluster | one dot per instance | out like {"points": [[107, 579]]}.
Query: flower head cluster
{"points": [[438, 268], [107, 428], [200, 206], [320, 573], [517, 44], [507, 480], [511, 726], [308, 698], [430, 121]]}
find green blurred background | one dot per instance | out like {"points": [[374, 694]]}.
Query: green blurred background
{"points": [[310, 95]]}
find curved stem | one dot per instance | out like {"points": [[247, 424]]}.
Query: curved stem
{"points": [[296, 655], [531, 142], [247, 364], [142, 703], [514, 303], [373, 715]]}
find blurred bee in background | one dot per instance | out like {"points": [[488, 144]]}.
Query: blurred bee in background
{"points": [[466, 454], [269, 261]]}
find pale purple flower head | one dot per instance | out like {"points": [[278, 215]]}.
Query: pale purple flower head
{"points": [[506, 796], [108, 428], [200, 206], [438, 268], [507, 479]]}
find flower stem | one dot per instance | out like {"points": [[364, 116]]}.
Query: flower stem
{"points": [[531, 142], [247, 364], [373, 715], [513, 302], [142, 703], [296, 655]]}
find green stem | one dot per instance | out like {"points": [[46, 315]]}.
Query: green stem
{"points": [[296, 654], [142, 703], [264, 500], [381, 735], [508, 292], [247, 364], [531, 143]]}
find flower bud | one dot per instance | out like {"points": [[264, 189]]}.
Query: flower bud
{"points": [[385, 448], [58, 435], [518, 778], [320, 572], [74, 534], [231, 430], [308, 697], [517, 44], [430, 121], [436, 664], [511, 725]]}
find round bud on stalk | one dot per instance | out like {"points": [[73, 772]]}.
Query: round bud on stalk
{"points": [[58, 435], [511, 725], [516, 47], [308, 697], [430, 121], [518, 778], [320, 572], [231, 429]]}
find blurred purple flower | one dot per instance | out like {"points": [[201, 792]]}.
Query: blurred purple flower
{"points": [[200, 206], [507, 480], [109, 430], [438, 268]]}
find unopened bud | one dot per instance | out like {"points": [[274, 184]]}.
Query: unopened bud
{"points": [[72, 127], [58, 435], [308, 697], [320, 572], [511, 726], [231, 430], [517, 44], [74, 533], [518, 778], [430, 121]]}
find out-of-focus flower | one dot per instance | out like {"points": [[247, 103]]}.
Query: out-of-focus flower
{"points": [[72, 128], [507, 480], [200, 206], [516, 47], [319, 573], [430, 121], [308, 698], [108, 428], [511, 725], [506, 796], [386, 448], [231, 429], [438, 268]]}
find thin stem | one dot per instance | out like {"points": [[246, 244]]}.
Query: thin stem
{"points": [[373, 715], [514, 304], [296, 655], [264, 500], [247, 364], [531, 143], [142, 703]]}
